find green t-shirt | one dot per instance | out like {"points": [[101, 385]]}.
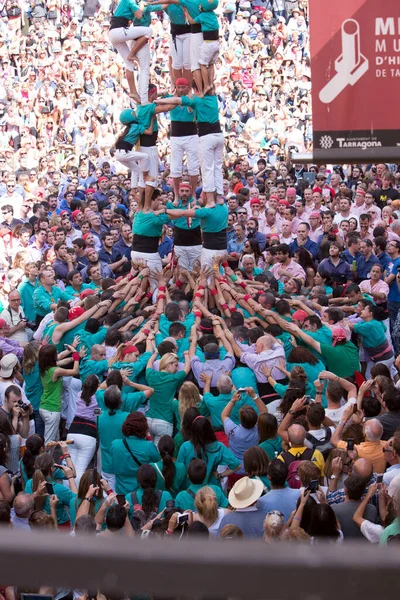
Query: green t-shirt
{"points": [[182, 221], [26, 290], [135, 131], [244, 377], [341, 359], [323, 335], [390, 531], [165, 324], [272, 447], [185, 499], [88, 340], [110, 429], [216, 454], [135, 367], [42, 300], [373, 333], [208, 21], [131, 400], [179, 482], [126, 9], [88, 366], [165, 386], [124, 467], [33, 386], [165, 497], [206, 110], [52, 391], [64, 495], [145, 113], [192, 7], [213, 219], [149, 224], [84, 286]]}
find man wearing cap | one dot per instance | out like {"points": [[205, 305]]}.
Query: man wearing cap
{"points": [[184, 140], [47, 295], [101, 194], [187, 232], [243, 497]]}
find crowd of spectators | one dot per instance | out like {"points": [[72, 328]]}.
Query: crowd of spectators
{"points": [[255, 396]]}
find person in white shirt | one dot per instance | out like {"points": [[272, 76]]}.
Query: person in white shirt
{"points": [[334, 394], [15, 318], [345, 212]]}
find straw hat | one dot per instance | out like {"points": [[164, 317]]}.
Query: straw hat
{"points": [[245, 492]]}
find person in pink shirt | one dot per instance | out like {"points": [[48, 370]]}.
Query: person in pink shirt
{"points": [[272, 225], [291, 195], [286, 267], [316, 229], [375, 286], [308, 197], [359, 208]]}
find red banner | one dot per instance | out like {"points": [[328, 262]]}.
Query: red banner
{"points": [[355, 63]]}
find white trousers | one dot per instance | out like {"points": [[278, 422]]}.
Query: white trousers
{"points": [[211, 148], [187, 256], [136, 162], [153, 262], [180, 51], [209, 52], [195, 48], [158, 428], [81, 451], [154, 162], [51, 425], [188, 144], [208, 256], [122, 37]]}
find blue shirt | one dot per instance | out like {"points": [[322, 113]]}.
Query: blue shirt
{"points": [[364, 267], [235, 246], [309, 245], [341, 273], [283, 500], [394, 292], [240, 439]]}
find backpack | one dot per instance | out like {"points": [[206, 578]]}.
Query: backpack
{"points": [[139, 518], [324, 446], [293, 463]]}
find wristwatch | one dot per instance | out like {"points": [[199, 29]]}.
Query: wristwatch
{"points": [[291, 412], [333, 477]]}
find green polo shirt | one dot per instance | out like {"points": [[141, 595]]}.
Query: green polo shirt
{"points": [[165, 387], [88, 340], [42, 300], [135, 367], [208, 21], [373, 333], [341, 359], [135, 130], [185, 500], [149, 224], [165, 324], [192, 6], [182, 221], [126, 9], [206, 109], [125, 468], [88, 366], [213, 219], [26, 290], [110, 429], [131, 401], [215, 454], [179, 481], [145, 113]]}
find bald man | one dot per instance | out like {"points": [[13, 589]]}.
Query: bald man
{"points": [[299, 451], [23, 506], [269, 352], [371, 449]]}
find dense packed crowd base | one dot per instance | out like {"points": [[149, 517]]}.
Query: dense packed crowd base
{"points": [[197, 336]]}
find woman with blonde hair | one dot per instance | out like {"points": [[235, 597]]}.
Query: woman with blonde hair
{"points": [[207, 509], [273, 525], [165, 383], [188, 396]]}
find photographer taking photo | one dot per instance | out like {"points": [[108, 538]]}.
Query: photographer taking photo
{"points": [[14, 317]]}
